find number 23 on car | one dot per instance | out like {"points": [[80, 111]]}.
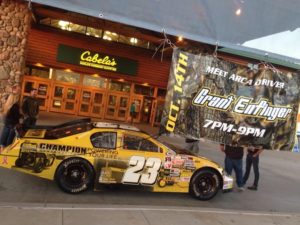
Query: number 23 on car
{"points": [[80, 154]]}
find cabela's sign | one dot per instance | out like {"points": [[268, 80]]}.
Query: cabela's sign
{"points": [[82, 57]]}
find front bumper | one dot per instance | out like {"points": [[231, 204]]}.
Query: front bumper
{"points": [[227, 183]]}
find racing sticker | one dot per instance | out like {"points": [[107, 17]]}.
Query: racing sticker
{"points": [[229, 103]]}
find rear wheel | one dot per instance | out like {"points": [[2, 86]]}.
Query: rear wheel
{"points": [[74, 175], [204, 185]]}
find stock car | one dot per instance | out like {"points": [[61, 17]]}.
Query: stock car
{"points": [[82, 154]]}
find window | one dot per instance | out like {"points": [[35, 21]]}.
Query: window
{"points": [[98, 82], [119, 86], [143, 90], [70, 77], [132, 142], [106, 140], [42, 72], [161, 93]]}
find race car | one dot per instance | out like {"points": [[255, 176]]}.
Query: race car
{"points": [[82, 154]]}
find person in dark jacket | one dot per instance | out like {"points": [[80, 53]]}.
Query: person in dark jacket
{"points": [[30, 109], [11, 121], [252, 159], [234, 160]]}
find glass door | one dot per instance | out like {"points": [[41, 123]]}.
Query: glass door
{"points": [[138, 100], [91, 103], [70, 100], [122, 109], [42, 86], [85, 102], [117, 107], [64, 99], [97, 104], [43, 94], [157, 111]]}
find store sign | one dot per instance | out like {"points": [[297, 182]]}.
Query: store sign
{"points": [[82, 57], [232, 104]]}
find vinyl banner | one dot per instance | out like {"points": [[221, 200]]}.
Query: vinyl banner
{"points": [[229, 103]]}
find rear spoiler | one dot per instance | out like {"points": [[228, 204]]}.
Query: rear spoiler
{"points": [[50, 127]]}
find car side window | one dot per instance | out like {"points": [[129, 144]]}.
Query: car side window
{"points": [[132, 142], [106, 140]]}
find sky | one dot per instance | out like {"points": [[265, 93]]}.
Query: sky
{"points": [[284, 43]]}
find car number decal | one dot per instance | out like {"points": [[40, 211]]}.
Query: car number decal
{"points": [[137, 164]]}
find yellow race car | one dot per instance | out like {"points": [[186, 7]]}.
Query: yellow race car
{"points": [[81, 154]]}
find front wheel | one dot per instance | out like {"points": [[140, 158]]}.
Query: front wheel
{"points": [[204, 185], [74, 175]]}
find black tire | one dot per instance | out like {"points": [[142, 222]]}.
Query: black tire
{"points": [[74, 175], [205, 184]]}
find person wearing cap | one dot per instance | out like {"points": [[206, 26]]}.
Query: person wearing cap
{"points": [[11, 116], [30, 108]]}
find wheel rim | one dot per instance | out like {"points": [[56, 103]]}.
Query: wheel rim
{"points": [[75, 175], [206, 184]]}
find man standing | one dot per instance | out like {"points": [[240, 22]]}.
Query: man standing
{"points": [[11, 116], [234, 160], [30, 109], [252, 159]]}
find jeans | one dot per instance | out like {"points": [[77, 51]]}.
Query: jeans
{"points": [[237, 165], [250, 160], [8, 135]]}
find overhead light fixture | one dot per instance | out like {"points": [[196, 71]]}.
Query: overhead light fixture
{"points": [[106, 38], [133, 40], [88, 34], [96, 35], [39, 65], [68, 70], [121, 80], [63, 23], [145, 84], [180, 38], [238, 11], [115, 34], [107, 32]]}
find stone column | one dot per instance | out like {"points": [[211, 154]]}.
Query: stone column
{"points": [[14, 27]]}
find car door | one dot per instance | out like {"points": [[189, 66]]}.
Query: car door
{"points": [[144, 158]]}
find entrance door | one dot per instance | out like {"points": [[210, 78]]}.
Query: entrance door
{"points": [[91, 103], [157, 111], [138, 105], [42, 86], [117, 107], [146, 109], [64, 99]]}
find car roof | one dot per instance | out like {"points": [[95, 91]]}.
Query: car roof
{"points": [[115, 126]]}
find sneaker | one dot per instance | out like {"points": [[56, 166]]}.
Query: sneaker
{"points": [[253, 188], [240, 189]]}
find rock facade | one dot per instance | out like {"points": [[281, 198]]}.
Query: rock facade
{"points": [[14, 27]]}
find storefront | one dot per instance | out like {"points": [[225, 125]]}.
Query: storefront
{"points": [[81, 75]]}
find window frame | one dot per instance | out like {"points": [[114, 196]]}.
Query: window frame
{"points": [[111, 132], [141, 138]]}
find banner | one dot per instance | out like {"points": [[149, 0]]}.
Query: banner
{"points": [[229, 103]]}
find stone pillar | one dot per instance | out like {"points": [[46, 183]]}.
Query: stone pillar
{"points": [[14, 27]]}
